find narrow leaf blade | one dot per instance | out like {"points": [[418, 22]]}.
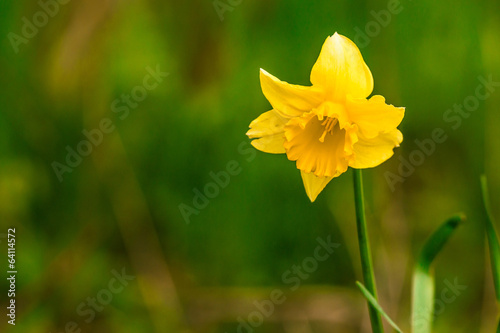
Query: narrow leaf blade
{"points": [[423, 277], [492, 236], [369, 297]]}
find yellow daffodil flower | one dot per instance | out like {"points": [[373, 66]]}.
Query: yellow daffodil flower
{"points": [[331, 125]]}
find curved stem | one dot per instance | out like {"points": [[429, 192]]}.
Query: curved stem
{"points": [[364, 249]]}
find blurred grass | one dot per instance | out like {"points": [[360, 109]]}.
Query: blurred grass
{"points": [[72, 234]]}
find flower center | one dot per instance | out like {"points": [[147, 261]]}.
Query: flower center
{"points": [[329, 123]]}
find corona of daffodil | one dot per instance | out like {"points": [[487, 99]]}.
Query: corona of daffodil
{"points": [[329, 126]]}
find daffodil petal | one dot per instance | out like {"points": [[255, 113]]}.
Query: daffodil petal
{"points": [[341, 70], [374, 115], [313, 184], [268, 130], [372, 152], [287, 99]]}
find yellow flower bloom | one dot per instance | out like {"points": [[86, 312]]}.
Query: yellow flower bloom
{"points": [[330, 125]]}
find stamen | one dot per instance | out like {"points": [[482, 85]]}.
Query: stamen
{"points": [[322, 138], [329, 124]]}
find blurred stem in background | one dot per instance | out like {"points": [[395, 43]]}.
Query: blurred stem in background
{"points": [[364, 250], [493, 242]]}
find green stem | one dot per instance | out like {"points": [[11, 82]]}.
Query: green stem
{"points": [[364, 250]]}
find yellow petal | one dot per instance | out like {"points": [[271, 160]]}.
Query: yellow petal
{"points": [[373, 116], [313, 184], [268, 129], [287, 99], [341, 70], [372, 152]]}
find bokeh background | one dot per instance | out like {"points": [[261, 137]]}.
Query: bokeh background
{"points": [[119, 211]]}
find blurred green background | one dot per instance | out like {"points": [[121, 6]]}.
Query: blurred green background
{"points": [[118, 210]]}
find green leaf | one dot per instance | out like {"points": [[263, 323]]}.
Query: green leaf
{"points": [[377, 307], [423, 276], [492, 239]]}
